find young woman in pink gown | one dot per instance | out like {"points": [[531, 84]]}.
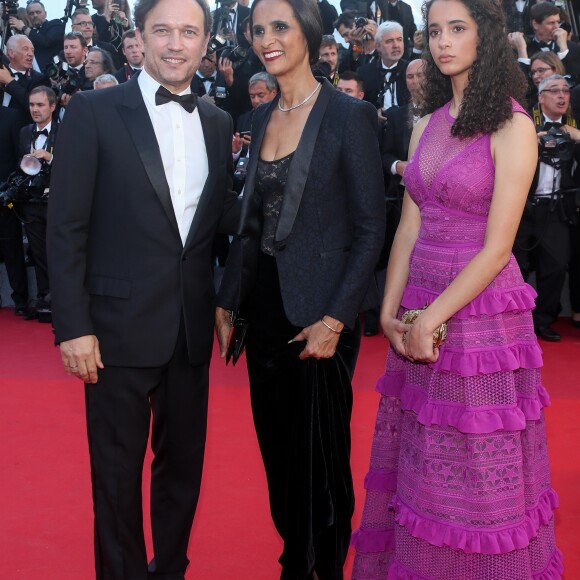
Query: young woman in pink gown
{"points": [[459, 483]]}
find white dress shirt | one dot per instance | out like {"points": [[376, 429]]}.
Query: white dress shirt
{"points": [[183, 152], [41, 139], [390, 97]]}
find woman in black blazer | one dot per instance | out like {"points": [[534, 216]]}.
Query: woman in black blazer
{"points": [[300, 270]]}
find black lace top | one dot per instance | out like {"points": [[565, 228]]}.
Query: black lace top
{"points": [[271, 179]]}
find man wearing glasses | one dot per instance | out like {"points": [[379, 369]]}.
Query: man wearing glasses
{"points": [[543, 238], [45, 35], [82, 22]]}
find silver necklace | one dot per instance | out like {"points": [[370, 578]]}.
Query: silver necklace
{"points": [[302, 103]]}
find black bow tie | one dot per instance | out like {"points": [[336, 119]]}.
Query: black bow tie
{"points": [[163, 96], [37, 134], [210, 79], [550, 125], [545, 44]]}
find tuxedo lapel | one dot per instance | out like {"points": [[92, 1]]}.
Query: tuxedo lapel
{"points": [[300, 165], [134, 114], [211, 137]]}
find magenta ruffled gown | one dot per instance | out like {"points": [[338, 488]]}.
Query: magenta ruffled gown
{"points": [[459, 480]]}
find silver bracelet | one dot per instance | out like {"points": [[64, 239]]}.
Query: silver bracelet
{"points": [[329, 327]]}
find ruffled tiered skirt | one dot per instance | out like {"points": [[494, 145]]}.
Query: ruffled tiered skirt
{"points": [[459, 480]]}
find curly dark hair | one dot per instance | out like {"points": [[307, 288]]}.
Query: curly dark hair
{"points": [[494, 78]]}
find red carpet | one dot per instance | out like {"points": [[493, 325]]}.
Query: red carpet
{"points": [[45, 504]]}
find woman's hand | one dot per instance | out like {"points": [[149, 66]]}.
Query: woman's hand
{"points": [[395, 331], [223, 329], [419, 343], [320, 340]]}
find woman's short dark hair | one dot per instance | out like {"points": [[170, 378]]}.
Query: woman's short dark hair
{"points": [[494, 78], [308, 16], [143, 8]]}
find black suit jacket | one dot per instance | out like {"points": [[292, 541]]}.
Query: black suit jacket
{"points": [[20, 90], [9, 134], [332, 220], [571, 61], [117, 264], [25, 139], [328, 15], [395, 144], [47, 41], [373, 76]]}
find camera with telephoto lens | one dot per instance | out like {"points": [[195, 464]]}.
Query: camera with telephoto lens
{"points": [[67, 79], [556, 144], [361, 22]]}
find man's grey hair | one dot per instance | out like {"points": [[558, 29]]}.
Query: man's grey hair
{"points": [[544, 82], [104, 80], [269, 80], [387, 26]]}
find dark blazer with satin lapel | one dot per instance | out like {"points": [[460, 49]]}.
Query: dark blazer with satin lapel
{"points": [[395, 144], [373, 76], [332, 220], [117, 264]]}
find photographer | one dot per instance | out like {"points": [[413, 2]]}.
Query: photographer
{"points": [[543, 238], [328, 53], [359, 33], [68, 76], [384, 79], [31, 195], [45, 35], [17, 80], [208, 82], [97, 63], [112, 20], [237, 67], [134, 57], [11, 246], [228, 22]]}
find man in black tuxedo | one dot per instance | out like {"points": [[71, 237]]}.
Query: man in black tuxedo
{"points": [[38, 139], [208, 82], [549, 36], [401, 12], [19, 79], [384, 78], [45, 35], [129, 247], [361, 42], [134, 57], [543, 238], [11, 246]]}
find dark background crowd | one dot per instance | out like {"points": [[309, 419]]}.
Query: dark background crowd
{"points": [[380, 62]]}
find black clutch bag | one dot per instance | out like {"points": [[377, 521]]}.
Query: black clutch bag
{"points": [[237, 341]]}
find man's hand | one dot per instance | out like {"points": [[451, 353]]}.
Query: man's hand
{"points": [[237, 143], [400, 167], [223, 329], [81, 357], [418, 40], [320, 340], [226, 67], [16, 23], [5, 75], [560, 37], [517, 41], [42, 154], [65, 100]]}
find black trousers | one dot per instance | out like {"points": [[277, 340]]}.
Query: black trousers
{"points": [[33, 216], [118, 409], [12, 249], [301, 412], [543, 240]]}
